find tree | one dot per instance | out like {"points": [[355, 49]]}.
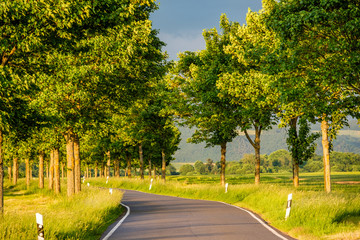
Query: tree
{"points": [[319, 48], [301, 145], [195, 77], [246, 85]]}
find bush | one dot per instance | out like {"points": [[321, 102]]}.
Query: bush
{"points": [[185, 169]]}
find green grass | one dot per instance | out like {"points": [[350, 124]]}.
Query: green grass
{"points": [[84, 216], [314, 215]]}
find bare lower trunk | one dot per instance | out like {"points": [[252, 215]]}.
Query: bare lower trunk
{"points": [[62, 171], [116, 168], [141, 156], [295, 161], [1, 176], [57, 187], [47, 169], [41, 170], [87, 171], [15, 170], [163, 165], [77, 163], [296, 174], [149, 167], [128, 159], [96, 172], [257, 158], [27, 172], [256, 146], [9, 172], [326, 152], [70, 164], [223, 164], [51, 170], [108, 163]]}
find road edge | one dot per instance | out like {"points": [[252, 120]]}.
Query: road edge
{"points": [[108, 235]]}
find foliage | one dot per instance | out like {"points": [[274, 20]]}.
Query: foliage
{"points": [[186, 168]]}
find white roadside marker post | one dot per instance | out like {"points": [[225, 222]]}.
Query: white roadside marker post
{"points": [[88, 184], [288, 207], [40, 226], [107, 179], [84, 179], [110, 190], [150, 184], [226, 187]]}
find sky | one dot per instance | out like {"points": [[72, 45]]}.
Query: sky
{"points": [[181, 22]]}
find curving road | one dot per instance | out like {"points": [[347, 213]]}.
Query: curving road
{"points": [[163, 217]]}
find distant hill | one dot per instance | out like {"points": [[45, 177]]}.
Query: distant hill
{"points": [[348, 140]]}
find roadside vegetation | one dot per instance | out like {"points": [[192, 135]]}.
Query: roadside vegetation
{"points": [[84, 216], [314, 214]]}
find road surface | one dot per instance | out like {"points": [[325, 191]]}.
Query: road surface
{"points": [[163, 217]]}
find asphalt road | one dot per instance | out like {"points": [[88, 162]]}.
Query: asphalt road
{"points": [[162, 217]]}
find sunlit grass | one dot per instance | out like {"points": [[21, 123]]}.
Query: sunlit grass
{"points": [[84, 216], [314, 215]]}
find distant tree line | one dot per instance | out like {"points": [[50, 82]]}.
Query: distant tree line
{"points": [[277, 162]]}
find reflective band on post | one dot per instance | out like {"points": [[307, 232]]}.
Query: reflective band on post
{"points": [[288, 206], [40, 226], [226, 187]]}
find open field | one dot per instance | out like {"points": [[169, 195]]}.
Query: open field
{"points": [[314, 214], [84, 216]]}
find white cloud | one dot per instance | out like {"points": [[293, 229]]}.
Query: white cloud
{"points": [[176, 43]]}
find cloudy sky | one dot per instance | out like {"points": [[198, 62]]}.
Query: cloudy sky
{"points": [[181, 22]]}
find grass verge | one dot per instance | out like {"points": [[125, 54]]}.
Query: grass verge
{"points": [[84, 216], [314, 214]]}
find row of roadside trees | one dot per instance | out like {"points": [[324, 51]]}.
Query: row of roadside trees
{"points": [[81, 79], [294, 61]]}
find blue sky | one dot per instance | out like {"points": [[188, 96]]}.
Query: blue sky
{"points": [[181, 22]]}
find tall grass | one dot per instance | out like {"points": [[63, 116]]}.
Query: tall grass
{"points": [[84, 216], [314, 214]]}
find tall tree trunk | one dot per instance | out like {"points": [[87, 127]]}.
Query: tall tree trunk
{"points": [[117, 167], [128, 159], [70, 163], [87, 170], [1, 176], [256, 146], [163, 165], [326, 152], [257, 156], [108, 163], [77, 163], [96, 171], [27, 172], [223, 164], [41, 169], [51, 170], [57, 185], [31, 168], [15, 170], [150, 167], [47, 168], [141, 156], [295, 161], [9, 172], [62, 171]]}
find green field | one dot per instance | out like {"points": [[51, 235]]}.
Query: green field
{"points": [[84, 216], [314, 215]]}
